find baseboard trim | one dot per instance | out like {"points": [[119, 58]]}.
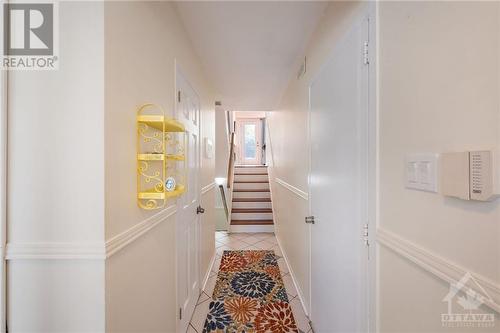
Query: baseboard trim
{"points": [[207, 188], [207, 273], [293, 189], [120, 241], [300, 294], [438, 266]]}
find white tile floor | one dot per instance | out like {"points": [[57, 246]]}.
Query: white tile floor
{"points": [[246, 241]]}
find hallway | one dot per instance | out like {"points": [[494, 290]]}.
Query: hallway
{"points": [[247, 241], [346, 152]]}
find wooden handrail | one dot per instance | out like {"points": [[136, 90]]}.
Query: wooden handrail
{"points": [[230, 166], [224, 201]]}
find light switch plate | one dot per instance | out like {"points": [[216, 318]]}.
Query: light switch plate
{"points": [[422, 172], [209, 148]]}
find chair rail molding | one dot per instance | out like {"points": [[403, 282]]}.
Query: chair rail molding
{"points": [[55, 250], [120, 241], [297, 191], [207, 188], [86, 250], [439, 266]]}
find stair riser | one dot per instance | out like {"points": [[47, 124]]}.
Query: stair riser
{"points": [[251, 228], [251, 194], [251, 205], [252, 178], [250, 170], [252, 216], [251, 186]]}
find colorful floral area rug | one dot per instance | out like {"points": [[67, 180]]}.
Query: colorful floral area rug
{"points": [[249, 295]]}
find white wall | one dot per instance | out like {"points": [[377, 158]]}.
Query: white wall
{"points": [[143, 41], [439, 91], [439, 88], [3, 193], [221, 143], [221, 165], [288, 143], [249, 114], [72, 175], [55, 183]]}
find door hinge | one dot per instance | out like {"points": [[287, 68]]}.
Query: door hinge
{"points": [[310, 219], [179, 96], [366, 235], [366, 56], [180, 313]]}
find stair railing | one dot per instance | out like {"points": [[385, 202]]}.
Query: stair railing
{"points": [[224, 201], [232, 159]]}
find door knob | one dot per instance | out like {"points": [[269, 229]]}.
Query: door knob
{"points": [[200, 210]]}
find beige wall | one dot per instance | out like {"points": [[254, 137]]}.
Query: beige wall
{"points": [[439, 87], [221, 143], [288, 143], [55, 183], [143, 41], [221, 165], [439, 91], [249, 114]]}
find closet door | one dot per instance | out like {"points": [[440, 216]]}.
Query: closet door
{"points": [[338, 187]]}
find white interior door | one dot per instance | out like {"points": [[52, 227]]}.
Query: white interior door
{"points": [[338, 188], [250, 137], [188, 222]]}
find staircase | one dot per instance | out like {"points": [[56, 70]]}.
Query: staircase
{"points": [[252, 207]]}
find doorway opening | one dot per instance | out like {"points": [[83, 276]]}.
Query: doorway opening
{"points": [[250, 145]]}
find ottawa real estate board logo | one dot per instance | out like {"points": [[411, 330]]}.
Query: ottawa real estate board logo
{"points": [[30, 38], [465, 298]]}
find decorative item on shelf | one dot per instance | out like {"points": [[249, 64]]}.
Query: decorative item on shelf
{"points": [[160, 157], [170, 184]]}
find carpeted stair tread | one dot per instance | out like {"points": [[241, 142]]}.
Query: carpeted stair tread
{"points": [[251, 199], [251, 181], [252, 222], [252, 190], [252, 210], [250, 174]]}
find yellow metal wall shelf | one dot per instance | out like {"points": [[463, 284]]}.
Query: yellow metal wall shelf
{"points": [[158, 122], [160, 155], [150, 157], [151, 194], [175, 157], [179, 189]]}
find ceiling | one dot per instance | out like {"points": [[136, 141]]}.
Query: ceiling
{"points": [[250, 50]]}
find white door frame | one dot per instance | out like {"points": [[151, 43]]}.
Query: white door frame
{"points": [[178, 70], [241, 139], [3, 196], [371, 15], [373, 166]]}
